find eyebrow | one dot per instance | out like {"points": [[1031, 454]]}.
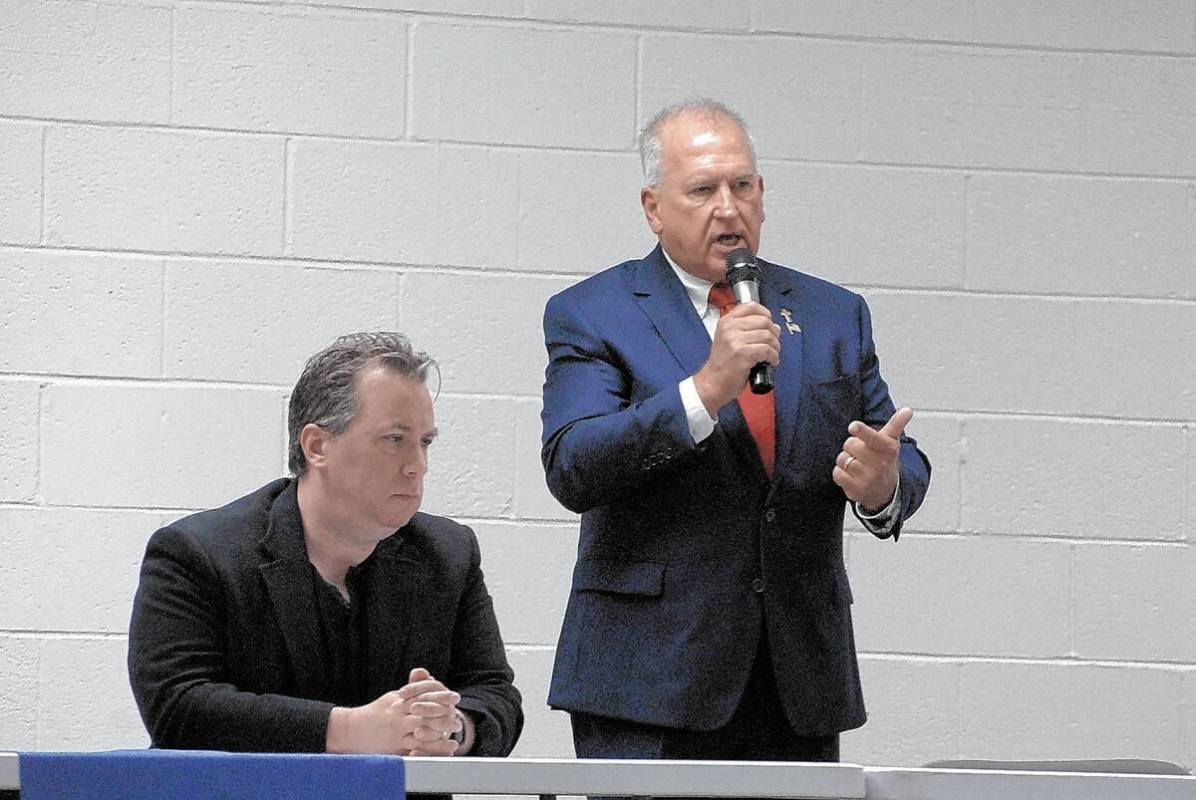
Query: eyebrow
{"points": [[703, 178], [399, 426]]}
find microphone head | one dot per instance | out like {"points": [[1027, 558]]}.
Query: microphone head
{"points": [[742, 266]]}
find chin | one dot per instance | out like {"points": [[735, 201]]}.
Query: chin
{"points": [[405, 505]]}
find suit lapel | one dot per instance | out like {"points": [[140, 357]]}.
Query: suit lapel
{"points": [[288, 578], [395, 588], [664, 301], [667, 305], [778, 295]]}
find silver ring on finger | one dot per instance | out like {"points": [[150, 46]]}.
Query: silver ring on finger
{"points": [[847, 463]]}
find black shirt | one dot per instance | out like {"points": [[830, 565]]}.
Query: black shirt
{"points": [[344, 638]]}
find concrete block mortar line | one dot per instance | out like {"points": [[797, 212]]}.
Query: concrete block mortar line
{"points": [[967, 222], [545, 523], [927, 291], [208, 383], [38, 458], [41, 234], [455, 269], [899, 41], [409, 83], [959, 477], [170, 513], [302, 7], [957, 671], [174, 50], [37, 688], [285, 249], [912, 531], [862, 75], [1041, 416], [165, 322], [530, 647], [284, 467], [300, 261], [1189, 480], [910, 657], [526, 22], [179, 383], [638, 94], [62, 379], [165, 511], [497, 146], [399, 286], [1071, 600], [518, 254], [43, 635]]}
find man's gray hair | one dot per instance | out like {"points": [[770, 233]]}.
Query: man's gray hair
{"points": [[326, 392], [649, 139]]}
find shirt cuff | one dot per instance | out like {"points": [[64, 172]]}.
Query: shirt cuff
{"points": [[701, 424], [884, 520]]}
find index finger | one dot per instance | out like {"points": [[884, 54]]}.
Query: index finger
{"points": [[750, 310], [421, 687]]}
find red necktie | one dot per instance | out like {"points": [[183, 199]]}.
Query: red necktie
{"points": [[758, 409]]}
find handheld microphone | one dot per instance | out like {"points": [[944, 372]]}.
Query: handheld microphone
{"points": [[743, 274]]}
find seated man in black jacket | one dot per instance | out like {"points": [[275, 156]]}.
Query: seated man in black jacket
{"points": [[324, 612]]}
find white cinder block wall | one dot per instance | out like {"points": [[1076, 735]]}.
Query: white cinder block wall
{"points": [[196, 195]]}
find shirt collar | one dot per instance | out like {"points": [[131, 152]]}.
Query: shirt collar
{"points": [[697, 288]]}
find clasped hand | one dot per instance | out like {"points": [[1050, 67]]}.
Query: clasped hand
{"points": [[414, 720]]}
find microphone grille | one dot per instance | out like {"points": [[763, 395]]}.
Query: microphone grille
{"points": [[741, 265]]}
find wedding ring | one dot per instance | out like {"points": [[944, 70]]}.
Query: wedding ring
{"points": [[847, 463]]}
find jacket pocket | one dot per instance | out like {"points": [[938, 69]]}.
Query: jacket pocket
{"points": [[840, 396], [645, 578]]}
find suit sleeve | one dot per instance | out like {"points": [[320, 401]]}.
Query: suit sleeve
{"points": [[914, 466], [176, 657], [479, 670], [598, 442]]}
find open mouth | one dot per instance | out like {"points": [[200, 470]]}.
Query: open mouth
{"points": [[729, 239]]}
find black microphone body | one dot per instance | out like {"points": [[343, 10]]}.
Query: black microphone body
{"points": [[743, 274]]}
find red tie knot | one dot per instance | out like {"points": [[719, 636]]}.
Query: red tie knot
{"points": [[722, 298]]}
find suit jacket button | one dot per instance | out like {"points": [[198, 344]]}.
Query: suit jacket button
{"points": [[758, 585], [770, 515]]}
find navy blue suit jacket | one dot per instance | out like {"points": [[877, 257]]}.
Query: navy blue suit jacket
{"points": [[687, 552]]}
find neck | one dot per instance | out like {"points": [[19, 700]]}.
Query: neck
{"points": [[333, 543]]}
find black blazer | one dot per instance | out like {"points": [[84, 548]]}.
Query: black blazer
{"points": [[688, 553], [224, 639]]}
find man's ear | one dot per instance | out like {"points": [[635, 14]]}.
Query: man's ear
{"points": [[761, 178], [314, 441], [651, 203]]}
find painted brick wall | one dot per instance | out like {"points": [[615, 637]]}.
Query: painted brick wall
{"points": [[196, 195]]}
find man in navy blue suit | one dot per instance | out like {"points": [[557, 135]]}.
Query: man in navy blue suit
{"points": [[709, 615]]}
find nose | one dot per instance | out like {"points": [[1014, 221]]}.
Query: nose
{"points": [[416, 464], [725, 206]]}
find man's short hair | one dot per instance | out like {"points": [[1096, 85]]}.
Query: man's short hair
{"points": [[649, 138], [326, 392]]}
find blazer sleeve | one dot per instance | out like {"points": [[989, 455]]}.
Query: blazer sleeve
{"points": [[176, 664], [914, 466], [479, 671], [599, 442]]}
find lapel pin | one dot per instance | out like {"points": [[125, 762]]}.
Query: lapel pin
{"points": [[789, 323]]}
